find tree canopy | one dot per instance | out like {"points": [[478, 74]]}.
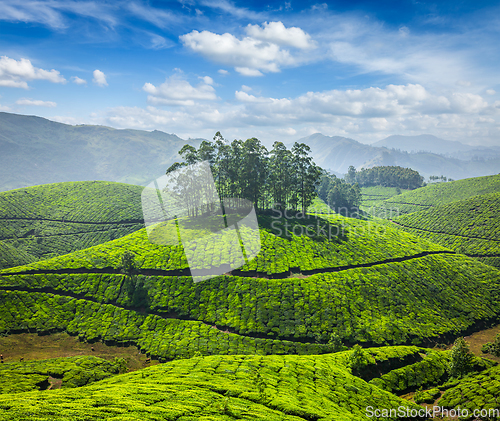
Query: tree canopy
{"points": [[282, 178], [388, 176]]}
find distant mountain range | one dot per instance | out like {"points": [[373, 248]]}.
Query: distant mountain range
{"points": [[452, 159], [34, 150]]}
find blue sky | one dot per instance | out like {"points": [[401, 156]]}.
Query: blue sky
{"points": [[275, 70]]}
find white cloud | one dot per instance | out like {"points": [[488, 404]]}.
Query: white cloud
{"points": [[229, 8], [157, 42], [207, 80], [246, 88], [244, 97], [251, 55], [363, 114], [245, 71], [223, 72], [404, 31], [99, 78], [177, 91], [490, 92], [277, 33], [78, 81], [463, 83], [16, 73], [160, 18], [51, 13], [36, 102]]}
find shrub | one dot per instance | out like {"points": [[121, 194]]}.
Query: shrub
{"points": [[461, 361]]}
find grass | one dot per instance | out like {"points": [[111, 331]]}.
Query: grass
{"points": [[385, 303], [375, 196], [31, 346], [17, 377], [294, 244]]}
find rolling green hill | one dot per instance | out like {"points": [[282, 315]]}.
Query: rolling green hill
{"points": [[375, 196], [11, 256], [372, 284], [54, 219], [439, 194], [73, 372], [231, 387], [469, 226]]}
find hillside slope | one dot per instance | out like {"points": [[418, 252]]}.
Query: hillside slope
{"points": [[440, 194], [222, 388], [55, 219], [338, 153], [469, 226], [290, 299]]}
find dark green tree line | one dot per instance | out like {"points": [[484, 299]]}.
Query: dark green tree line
{"points": [[388, 176], [246, 169], [339, 194]]}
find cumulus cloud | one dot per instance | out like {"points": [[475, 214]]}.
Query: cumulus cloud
{"points": [[490, 92], [177, 91], [99, 78], [222, 72], [260, 51], [78, 81], [16, 73], [36, 102], [277, 33]]}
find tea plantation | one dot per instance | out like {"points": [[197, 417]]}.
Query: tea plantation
{"points": [[73, 372], [439, 194], [224, 388], [469, 226], [267, 340], [55, 219]]}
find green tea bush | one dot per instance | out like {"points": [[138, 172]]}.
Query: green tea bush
{"points": [[443, 193], [218, 388], [469, 227], [56, 219], [74, 372]]}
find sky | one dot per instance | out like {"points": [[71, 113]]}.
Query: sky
{"points": [[278, 70]]}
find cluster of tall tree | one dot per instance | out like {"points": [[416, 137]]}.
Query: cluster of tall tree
{"points": [[280, 178], [388, 176], [341, 196]]}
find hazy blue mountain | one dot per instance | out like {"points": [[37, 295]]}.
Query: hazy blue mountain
{"points": [[337, 153], [35, 150], [422, 143]]}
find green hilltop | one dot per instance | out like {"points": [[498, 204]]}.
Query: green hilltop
{"points": [[241, 387], [54, 219], [298, 292], [267, 340], [468, 226], [438, 194]]}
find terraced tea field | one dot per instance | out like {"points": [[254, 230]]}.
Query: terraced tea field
{"points": [[54, 219], [439, 194], [470, 227]]}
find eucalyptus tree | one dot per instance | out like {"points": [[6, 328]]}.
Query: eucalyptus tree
{"points": [[307, 172]]}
